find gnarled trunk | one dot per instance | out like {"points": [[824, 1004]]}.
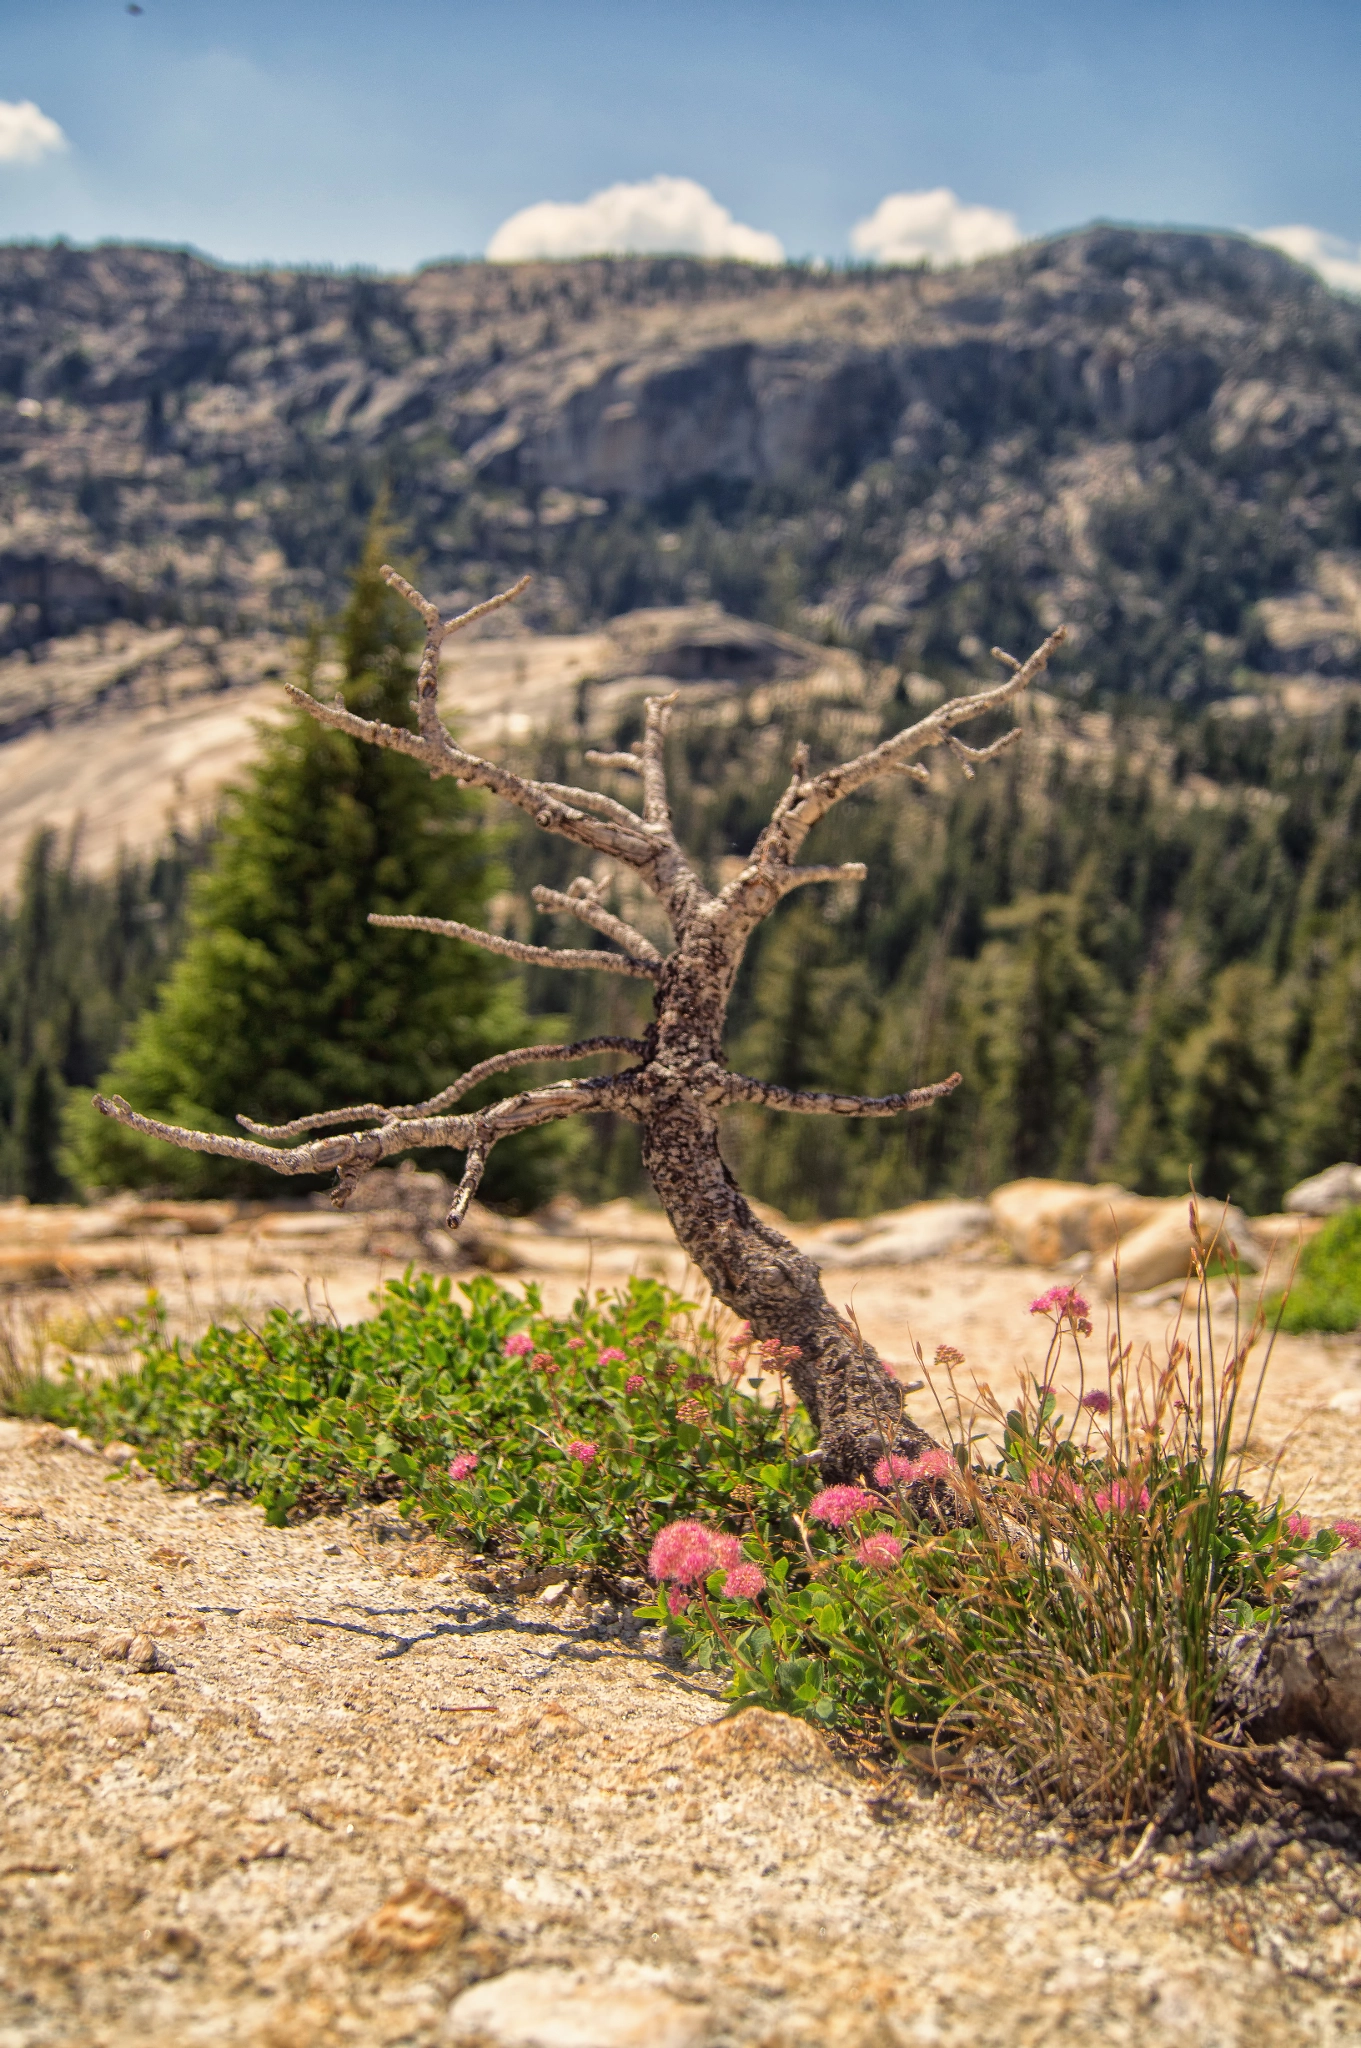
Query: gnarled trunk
{"points": [[855, 1404], [681, 1079]]}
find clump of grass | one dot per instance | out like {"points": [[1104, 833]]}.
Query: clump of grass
{"points": [[1325, 1293], [1056, 1616]]}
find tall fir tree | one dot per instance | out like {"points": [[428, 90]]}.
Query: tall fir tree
{"points": [[285, 1000], [1229, 1098]]}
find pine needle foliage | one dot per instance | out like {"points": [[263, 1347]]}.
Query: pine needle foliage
{"points": [[286, 1000]]}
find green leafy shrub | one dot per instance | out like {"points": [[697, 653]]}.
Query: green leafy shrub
{"points": [[1048, 1602], [583, 1433], [1325, 1293]]}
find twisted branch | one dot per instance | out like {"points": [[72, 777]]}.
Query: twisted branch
{"points": [[404, 1134], [806, 801], [499, 1063], [517, 949], [580, 901], [803, 1102]]}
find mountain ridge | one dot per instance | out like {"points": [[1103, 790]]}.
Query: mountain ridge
{"points": [[1151, 433]]}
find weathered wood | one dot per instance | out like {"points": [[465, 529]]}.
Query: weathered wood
{"points": [[681, 1080]]}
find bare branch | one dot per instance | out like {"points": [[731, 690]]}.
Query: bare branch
{"points": [[608, 806], [804, 802], [516, 949], [474, 1166], [656, 807], [582, 903], [968, 757], [499, 1063], [788, 879], [742, 1088], [630, 764], [406, 1134]]}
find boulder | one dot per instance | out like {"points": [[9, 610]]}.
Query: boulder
{"points": [[901, 1237], [1160, 1250], [1303, 1676], [1324, 1194], [1047, 1221]]}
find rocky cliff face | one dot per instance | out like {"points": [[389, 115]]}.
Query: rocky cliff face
{"points": [[1155, 435]]}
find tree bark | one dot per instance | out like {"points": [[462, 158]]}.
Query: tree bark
{"points": [[681, 1079]]}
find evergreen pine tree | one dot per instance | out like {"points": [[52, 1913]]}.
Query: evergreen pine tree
{"points": [[1042, 1006], [1327, 1123], [1229, 1097], [286, 1000]]}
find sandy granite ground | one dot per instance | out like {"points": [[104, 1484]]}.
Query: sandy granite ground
{"points": [[359, 1800], [358, 1796]]}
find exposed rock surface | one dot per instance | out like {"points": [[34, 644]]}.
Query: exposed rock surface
{"points": [[194, 443], [1325, 1194], [1304, 1677]]}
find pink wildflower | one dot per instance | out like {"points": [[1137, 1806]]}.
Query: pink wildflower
{"points": [[727, 1550], [742, 1338], [1119, 1497], [584, 1453], [1350, 1532], [1042, 1483], [461, 1465], [1098, 1401], [683, 1551], [1061, 1302], [948, 1355], [934, 1465], [544, 1361], [611, 1355], [692, 1411], [635, 1383], [519, 1344], [837, 1505], [1298, 1525], [676, 1603], [576, 1343], [880, 1550], [744, 1582], [894, 1471]]}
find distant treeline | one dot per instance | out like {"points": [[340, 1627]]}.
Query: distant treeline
{"points": [[80, 957], [1146, 965], [1143, 956]]}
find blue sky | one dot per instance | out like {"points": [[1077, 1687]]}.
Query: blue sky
{"points": [[396, 131]]}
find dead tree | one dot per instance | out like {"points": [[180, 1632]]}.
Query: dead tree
{"points": [[678, 1080]]}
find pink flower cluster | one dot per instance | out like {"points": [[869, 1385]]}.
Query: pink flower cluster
{"points": [[1061, 1303], [880, 1551], [462, 1464], [583, 1452], [612, 1355], [899, 1471], [1119, 1497], [686, 1552], [1097, 1402], [635, 1383], [544, 1361], [519, 1344], [1298, 1525], [837, 1505], [1350, 1532]]}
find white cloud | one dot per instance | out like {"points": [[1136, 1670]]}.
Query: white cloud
{"points": [[659, 216], [933, 227], [1337, 261], [27, 134]]}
